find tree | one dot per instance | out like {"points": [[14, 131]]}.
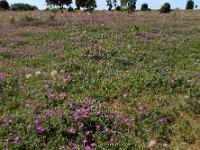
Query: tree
{"points": [[190, 4], [4, 5], [59, 3], [129, 5], [166, 8], [22, 7], [79, 4], [88, 4], [144, 7], [111, 3]]}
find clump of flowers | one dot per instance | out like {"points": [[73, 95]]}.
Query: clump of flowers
{"points": [[85, 124]]}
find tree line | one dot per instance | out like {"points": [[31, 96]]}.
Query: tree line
{"points": [[90, 5]]}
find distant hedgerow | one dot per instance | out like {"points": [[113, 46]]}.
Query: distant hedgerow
{"points": [[22, 7]]}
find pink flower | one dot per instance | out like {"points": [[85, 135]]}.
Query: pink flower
{"points": [[75, 116], [106, 129], [124, 95], [40, 129], [105, 115], [161, 120], [93, 145], [98, 112], [98, 126], [16, 139], [84, 140], [81, 126], [84, 114], [28, 126], [86, 100], [70, 130], [62, 95], [115, 122], [165, 145], [112, 139], [87, 132], [132, 119], [10, 120], [87, 147], [125, 119], [35, 121]]}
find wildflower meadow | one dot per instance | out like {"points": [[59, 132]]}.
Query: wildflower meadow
{"points": [[102, 80]]}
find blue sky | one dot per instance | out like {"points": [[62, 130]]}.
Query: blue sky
{"points": [[153, 4]]}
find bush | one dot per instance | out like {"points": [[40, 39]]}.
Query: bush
{"points": [[22, 7], [118, 8], [4, 5], [190, 4], [144, 7], [70, 9], [166, 8]]}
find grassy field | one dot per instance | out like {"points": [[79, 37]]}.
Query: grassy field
{"points": [[106, 80]]}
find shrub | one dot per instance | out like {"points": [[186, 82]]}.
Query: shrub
{"points": [[166, 8], [4, 5], [22, 7], [190, 4], [144, 7], [70, 9], [27, 19], [118, 8], [12, 20]]}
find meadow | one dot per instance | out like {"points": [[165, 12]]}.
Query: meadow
{"points": [[106, 80]]}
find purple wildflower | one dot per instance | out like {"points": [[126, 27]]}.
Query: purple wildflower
{"points": [[16, 139], [112, 139], [35, 121], [84, 140], [70, 130], [93, 145], [161, 120], [81, 126], [84, 114], [87, 147], [40, 129], [1, 75], [10, 120], [75, 116], [125, 119], [98, 126], [106, 129], [87, 132]]}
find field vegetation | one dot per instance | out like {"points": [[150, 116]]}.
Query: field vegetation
{"points": [[101, 80]]}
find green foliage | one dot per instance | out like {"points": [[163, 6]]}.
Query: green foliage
{"points": [[52, 17], [129, 5], [4, 5], [12, 20], [22, 7], [70, 9], [111, 3], [144, 7], [190, 4], [89, 5], [166, 8], [28, 18], [118, 8], [59, 3]]}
